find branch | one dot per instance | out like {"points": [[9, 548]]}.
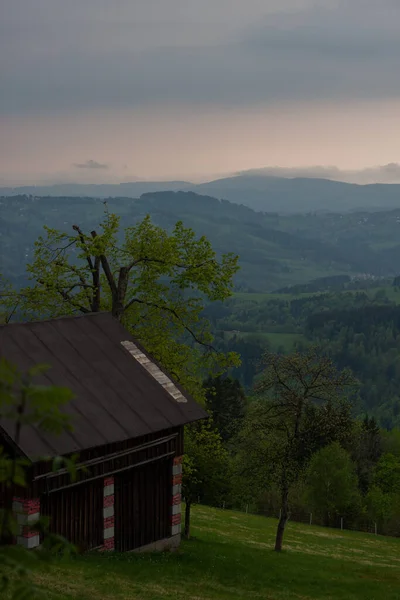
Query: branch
{"points": [[94, 269], [58, 250], [96, 285], [83, 242], [145, 259], [66, 297], [107, 270], [177, 317], [12, 313]]}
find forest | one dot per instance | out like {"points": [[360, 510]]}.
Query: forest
{"points": [[275, 251], [332, 341]]}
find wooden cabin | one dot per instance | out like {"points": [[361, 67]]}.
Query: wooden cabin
{"points": [[128, 418]]}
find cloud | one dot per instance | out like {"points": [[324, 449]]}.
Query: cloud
{"points": [[389, 173], [58, 56], [91, 164]]}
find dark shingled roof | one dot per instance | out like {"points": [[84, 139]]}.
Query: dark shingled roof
{"points": [[117, 396]]}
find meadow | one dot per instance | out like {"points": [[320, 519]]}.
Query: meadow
{"points": [[230, 556]]}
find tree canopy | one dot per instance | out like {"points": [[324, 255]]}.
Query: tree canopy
{"points": [[153, 281]]}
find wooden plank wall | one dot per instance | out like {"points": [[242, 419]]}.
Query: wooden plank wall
{"points": [[142, 505], [76, 514]]}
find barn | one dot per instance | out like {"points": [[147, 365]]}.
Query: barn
{"points": [[128, 418]]}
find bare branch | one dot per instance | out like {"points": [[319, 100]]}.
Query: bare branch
{"points": [[83, 242], [177, 317], [107, 270]]}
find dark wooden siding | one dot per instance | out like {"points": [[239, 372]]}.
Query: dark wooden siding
{"points": [[76, 514], [100, 463], [142, 505]]}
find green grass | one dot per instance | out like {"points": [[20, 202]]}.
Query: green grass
{"points": [[231, 557]]}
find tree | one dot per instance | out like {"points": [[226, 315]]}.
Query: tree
{"points": [[8, 301], [205, 467], [332, 483], [25, 403], [367, 451], [289, 386], [387, 474], [155, 283], [226, 400], [383, 498]]}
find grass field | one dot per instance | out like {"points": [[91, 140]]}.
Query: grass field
{"points": [[231, 557]]}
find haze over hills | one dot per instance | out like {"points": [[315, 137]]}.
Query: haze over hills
{"points": [[275, 251], [259, 192]]}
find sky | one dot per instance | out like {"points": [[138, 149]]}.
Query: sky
{"points": [[106, 91]]}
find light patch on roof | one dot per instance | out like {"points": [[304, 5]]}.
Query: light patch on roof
{"points": [[155, 371]]}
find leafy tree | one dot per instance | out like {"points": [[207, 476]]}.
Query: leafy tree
{"points": [[380, 506], [368, 448], [226, 400], [332, 483], [205, 468], [289, 385], [391, 441], [387, 474], [383, 498], [25, 403], [155, 283]]}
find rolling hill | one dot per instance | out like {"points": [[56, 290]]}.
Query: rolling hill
{"points": [[275, 251], [261, 193]]}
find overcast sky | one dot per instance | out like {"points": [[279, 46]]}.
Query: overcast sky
{"points": [[112, 90]]}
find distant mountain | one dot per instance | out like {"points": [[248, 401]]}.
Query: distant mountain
{"points": [[299, 195], [275, 251], [261, 193], [132, 189]]}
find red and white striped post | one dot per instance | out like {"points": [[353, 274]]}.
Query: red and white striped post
{"points": [[27, 512], [176, 511], [108, 514]]}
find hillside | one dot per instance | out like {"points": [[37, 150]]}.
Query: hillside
{"points": [[230, 557], [358, 328], [275, 251], [259, 192], [302, 194]]}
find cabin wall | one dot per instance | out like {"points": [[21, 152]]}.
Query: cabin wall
{"points": [[131, 490], [106, 461]]}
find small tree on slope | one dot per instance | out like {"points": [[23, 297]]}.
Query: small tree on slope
{"points": [[292, 387]]}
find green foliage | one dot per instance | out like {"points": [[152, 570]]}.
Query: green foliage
{"points": [[226, 401], [366, 448], [24, 402], [206, 468], [206, 465], [387, 474], [154, 282], [37, 404], [332, 488], [284, 423]]}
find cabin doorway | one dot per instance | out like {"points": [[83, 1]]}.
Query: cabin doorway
{"points": [[143, 505]]}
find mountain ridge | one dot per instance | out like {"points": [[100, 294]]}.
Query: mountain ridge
{"points": [[261, 193]]}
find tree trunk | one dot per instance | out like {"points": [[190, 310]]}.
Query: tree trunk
{"points": [[187, 520], [283, 517]]}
